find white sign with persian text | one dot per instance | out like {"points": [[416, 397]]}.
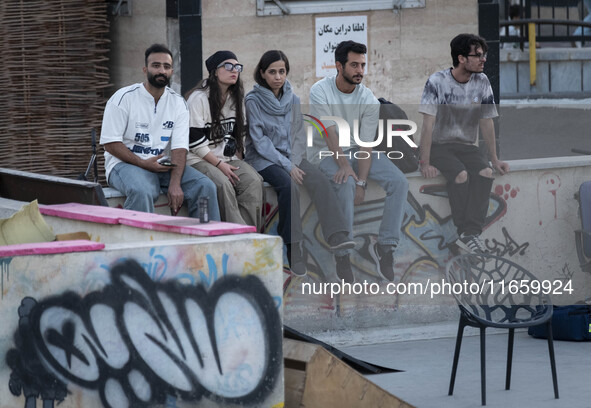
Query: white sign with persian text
{"points": [[330, 31]]}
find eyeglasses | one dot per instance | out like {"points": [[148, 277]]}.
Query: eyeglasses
{"points": [[481, 57], [228, 66], [230, 147]]}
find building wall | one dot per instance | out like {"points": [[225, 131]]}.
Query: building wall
{"points": [[130, 36], [405, 46]]}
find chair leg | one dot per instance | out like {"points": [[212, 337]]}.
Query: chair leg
{"points": [[552, 360], [483, 364], [509, 358], [454, 368]]}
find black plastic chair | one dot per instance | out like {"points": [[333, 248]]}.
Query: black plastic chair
{"points": [[487, 276]]}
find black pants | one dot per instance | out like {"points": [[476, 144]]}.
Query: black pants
{"points": [[288, 201], [330, 215], [469, 200]]}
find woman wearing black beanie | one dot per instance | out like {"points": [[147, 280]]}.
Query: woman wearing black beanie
{"points": [[216, 140]]}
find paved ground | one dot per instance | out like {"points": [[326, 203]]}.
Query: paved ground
{"points": [[427, 368], [544, 128]]}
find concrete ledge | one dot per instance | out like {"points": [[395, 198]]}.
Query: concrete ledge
{"points": [[546, 54], [411, 332], [560, 72], [515, 165], [537, 164]]}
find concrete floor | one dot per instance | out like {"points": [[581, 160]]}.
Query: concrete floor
{"points": [[544, 128], [427, 368]]}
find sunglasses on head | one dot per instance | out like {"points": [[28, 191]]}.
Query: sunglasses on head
{"points": [[228, 66]]}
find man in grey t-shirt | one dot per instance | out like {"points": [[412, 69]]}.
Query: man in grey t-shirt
{"points": [[350, 163], [455, 103]]}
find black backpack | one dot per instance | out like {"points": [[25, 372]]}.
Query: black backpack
{"points": [[409, 162]]}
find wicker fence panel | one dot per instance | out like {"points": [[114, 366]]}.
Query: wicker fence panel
{"points": [[54, 71]]}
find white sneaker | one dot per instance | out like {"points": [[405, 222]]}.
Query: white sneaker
{"points": [[471, 244]]}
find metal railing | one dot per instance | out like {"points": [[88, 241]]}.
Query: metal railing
{"points": [[555, 22]]}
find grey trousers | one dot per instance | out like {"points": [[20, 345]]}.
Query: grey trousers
{"points": [[242, 203]]}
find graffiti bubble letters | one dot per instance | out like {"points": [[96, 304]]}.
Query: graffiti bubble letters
{"points": [[138, 341]]}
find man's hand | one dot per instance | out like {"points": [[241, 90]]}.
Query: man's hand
{"points": [[501, 166], [120, 151], [428, 171], [345, 170], [175, 198], [297, 175], [152, 164], [228, 171], [359, 195]]}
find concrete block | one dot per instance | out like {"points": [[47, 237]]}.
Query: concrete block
{"points": [[508, 78], [587, 76], [565, 76], [523, 78], [141, 323]]}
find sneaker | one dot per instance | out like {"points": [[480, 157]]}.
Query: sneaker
{"points": [[296, 260], [471, 244], [344, 270], [340, 240], [383, 255]]}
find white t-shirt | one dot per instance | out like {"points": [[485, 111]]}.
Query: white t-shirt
{"points": [[144, 127], [200, 121], [457, 107], [360, 105]]}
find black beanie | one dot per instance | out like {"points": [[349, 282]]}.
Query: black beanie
{"points": [[216, 59]]}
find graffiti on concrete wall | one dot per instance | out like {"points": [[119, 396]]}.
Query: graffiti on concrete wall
{"points": [[548, 185], [507, 247], [138, 342], [4, 273], [565, 274], [427, 237], [427, 243]]}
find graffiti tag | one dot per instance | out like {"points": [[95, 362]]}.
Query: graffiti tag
{"points": [[138, 342], [509, 247]]}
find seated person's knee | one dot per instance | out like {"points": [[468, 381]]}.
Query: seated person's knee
{"points": [[487, 172], [226, 185], [462, 177], [137, 190], [350, 186]]}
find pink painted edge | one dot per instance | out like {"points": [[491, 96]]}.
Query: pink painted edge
{"points": [[203, 230], [54, 247], [81, 215], [154, 222], [227, 227]]}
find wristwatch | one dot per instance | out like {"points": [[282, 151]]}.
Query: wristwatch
{"points": [[361, 183]]}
